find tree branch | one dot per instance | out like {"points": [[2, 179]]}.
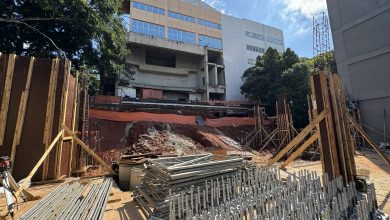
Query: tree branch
{"points": [[36, 30]]}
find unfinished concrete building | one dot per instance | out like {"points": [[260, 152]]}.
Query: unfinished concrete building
{"points": [[361, 36], [176, 51]]}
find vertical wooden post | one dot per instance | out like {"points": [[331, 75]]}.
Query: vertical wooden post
{"points": [[326, 127], [74, 116], [6, 96], [64, 101], [50, 113], [21, 113], [340, 135]]}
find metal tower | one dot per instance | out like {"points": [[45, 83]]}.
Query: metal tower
{"points": [[321, 40]]}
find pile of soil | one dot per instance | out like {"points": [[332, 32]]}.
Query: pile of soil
{"points": [[161, 138]]}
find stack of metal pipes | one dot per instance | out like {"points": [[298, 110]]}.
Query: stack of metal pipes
{"points": [[260, 193], [175, 174], [73, 201]]}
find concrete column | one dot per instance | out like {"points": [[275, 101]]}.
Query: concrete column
{"points": [[206, 73], [215, 72], [206, 68]]}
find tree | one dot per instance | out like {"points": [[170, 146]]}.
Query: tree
{"points": [[296, 81], [279, 75], [268, 71], [89, 33]]}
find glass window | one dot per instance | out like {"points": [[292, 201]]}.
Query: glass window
{"points": [[255, 49], [181, 17], [180, 35], [274, 40], [254, 35], [208, 41], [149, 8], [209, 24], [147, 28]]}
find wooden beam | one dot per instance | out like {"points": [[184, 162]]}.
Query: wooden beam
{"points": [[68, 138], [269, 137], [327, 140], [369, 140], [39, 163], [50, 112], [6, 96], [64, 101], [300, 150], [299, 137], [88, 150], [348, 144], [21, 113], [337, 119], [74, 114]]}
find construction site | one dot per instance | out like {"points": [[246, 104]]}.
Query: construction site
{"points": [[185, 151]]}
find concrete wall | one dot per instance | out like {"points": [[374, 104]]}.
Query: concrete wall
{"points": [[182, 78], [361, 35], [235, 52]]}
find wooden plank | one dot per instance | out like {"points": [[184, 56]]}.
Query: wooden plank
{"points": [[6, 96], [369, 140], [50, 113], [88, 150], [74, 114], [269, 137], [22, 112], [300, 150], [64, 101], [340, 136], [39, 163], [346, 136], [299, 137], [327, 135]]}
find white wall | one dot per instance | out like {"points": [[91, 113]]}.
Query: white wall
{"points": [[236, 55]]}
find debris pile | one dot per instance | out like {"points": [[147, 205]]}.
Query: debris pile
{"points": [[169, 176], [165, 142]]}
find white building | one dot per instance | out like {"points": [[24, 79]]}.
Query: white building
{"points": [[242, 41]]}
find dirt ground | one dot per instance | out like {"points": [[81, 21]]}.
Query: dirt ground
{"points": [[121, 205]]}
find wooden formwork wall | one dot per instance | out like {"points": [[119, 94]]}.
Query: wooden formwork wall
{"points": [[36, 98]]}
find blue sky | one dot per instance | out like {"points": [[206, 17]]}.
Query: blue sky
{"points": [[294, 17]]}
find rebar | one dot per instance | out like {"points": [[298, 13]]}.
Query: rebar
{"points": [[73, 201]]}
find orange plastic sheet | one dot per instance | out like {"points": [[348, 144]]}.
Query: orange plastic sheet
{"points": [[166, 118]]}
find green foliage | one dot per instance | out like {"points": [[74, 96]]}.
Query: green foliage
{"points": [[89, 33], [325, 61], [279, 75]]}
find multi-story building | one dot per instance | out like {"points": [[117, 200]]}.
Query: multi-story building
{"points": [[243, 41], [176, 49], [361, 35], [184, 49]]}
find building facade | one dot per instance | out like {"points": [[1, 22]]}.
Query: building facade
{"points": [[176, 48], [187, 50], [361, 36], [243, 41]]}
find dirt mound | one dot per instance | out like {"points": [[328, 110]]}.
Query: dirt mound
{"points": [[164, 142], [155, 137]]}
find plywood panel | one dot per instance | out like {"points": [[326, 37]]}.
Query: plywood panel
{"points": [[18, 85], [31, 145]]}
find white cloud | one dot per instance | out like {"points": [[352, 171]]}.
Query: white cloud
{"points": [[220, 5], [305, 7], [298, 14]]}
